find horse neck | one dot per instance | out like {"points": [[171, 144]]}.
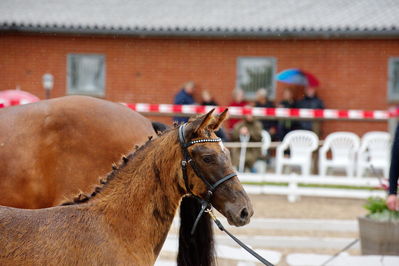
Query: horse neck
{"points": [[141, 200]]}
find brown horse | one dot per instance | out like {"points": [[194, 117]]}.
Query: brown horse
{"points": [[125, 221], [48, 148]]}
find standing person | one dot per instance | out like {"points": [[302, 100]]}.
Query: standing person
{"points": [[185, 96], [310, 101], [392, 200], [286, 125], [238, 100], [207, 99], [263, 101]]}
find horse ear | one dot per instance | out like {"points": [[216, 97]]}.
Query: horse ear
{"points": [[198, 124], [221, 118], [206, 120]]}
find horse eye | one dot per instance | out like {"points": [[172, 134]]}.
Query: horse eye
{"points": [[208, 159]]}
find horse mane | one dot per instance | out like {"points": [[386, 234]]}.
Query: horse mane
{"points": [[197, 249], [82, 197]]}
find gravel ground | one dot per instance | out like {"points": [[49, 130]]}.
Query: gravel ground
{"points": [[266, 206]]}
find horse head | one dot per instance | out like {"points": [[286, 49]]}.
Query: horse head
{"points": [[211, 170]]}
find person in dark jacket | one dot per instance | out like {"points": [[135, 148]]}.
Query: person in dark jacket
{"points": [[207, 99], [310, 101], [286, 125], [392, 200], [184, 96], [263, 101]]}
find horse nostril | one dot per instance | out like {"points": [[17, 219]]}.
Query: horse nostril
{"points": [[244, 213]]}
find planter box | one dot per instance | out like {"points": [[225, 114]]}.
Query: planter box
{"points": [[378, 237]]}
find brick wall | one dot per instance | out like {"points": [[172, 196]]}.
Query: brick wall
{"points": [[353, 73]]}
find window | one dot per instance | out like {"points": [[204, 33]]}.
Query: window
{"points": [[393, 79], [86, 74], [254, 73]]}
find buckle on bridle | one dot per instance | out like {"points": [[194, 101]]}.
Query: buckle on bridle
{"points": [[210, 212]]}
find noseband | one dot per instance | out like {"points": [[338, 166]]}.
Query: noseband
{"points": [[206, 206], [187, 159]]}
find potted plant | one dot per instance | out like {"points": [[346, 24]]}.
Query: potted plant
{"points": [[379, 229]]}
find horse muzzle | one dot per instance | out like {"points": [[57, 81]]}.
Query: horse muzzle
{"points": [[238, 214]]}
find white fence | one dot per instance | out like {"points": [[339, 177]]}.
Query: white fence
{"points": [[293, 191]]}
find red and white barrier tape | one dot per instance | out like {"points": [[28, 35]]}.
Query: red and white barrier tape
{"points": [[265, 112], [5, 103], [234, 111]]}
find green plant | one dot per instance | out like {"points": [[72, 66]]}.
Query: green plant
{"points": [[378, 210]]}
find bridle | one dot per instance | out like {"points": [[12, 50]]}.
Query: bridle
{"points": [[206, 206], [188, 160]]}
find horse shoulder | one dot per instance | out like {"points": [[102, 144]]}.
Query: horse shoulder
{"points": [[72, 236]]}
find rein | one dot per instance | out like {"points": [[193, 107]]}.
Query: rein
{"points": [[206, 206]]}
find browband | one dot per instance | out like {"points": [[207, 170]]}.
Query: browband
{"points": [[205, 203]]}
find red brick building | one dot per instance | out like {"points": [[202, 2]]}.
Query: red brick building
{"points": [[145, 60]]}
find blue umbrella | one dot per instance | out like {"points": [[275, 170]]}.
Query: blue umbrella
{"points": [[297, 77]]}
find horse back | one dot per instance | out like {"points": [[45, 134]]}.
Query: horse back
{"points": [[53, 149]]}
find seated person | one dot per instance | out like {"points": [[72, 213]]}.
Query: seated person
{"points": [[251, 128]]}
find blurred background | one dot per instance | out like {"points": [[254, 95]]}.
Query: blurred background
{"points": [[340, 55]]}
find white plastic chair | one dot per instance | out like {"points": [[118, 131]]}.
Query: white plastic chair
{"points": [[266, 141], [244, 139], [301, 144], [374, 152], [343, 146], [260, 165]]}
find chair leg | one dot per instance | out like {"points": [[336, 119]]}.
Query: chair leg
{"points": [[349, 171], [322, 170], [385, 170], [279, 168], [305, 169], [360, 170]]}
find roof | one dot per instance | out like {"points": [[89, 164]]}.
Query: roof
{"points": [[278, 18]]}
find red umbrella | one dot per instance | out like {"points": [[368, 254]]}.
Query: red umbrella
{"points": [[16, 97]]}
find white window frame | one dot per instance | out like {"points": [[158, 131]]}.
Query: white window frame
{"points": [[99, 90], [393, 96], [242, 60]]}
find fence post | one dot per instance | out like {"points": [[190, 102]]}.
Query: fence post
{"points": [[293, 189]]}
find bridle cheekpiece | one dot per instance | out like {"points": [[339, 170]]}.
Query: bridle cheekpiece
{"points": [[206, 206], [187, 159]]}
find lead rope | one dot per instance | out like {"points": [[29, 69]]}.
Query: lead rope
{"points": [[205, 205], [339, 252], [380, 179], [238, 241]]}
